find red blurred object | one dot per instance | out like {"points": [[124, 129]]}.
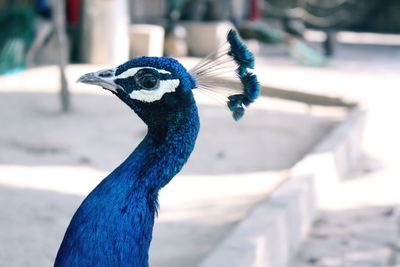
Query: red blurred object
{"points": [[73, 11], [255, 10]]}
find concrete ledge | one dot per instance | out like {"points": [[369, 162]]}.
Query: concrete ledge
{"points": [[344, 142], [272, 233], [334, 158]]}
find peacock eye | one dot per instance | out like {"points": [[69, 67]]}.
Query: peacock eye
{"points": [[147, 80]]}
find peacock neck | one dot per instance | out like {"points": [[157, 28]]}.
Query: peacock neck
{"points": [[113, 226], [163, 152]]}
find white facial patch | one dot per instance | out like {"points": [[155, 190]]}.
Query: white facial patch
{"points": [[166, 86], [132, 72]]}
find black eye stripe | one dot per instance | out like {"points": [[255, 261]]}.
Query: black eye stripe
{"points": [[130, 83]]}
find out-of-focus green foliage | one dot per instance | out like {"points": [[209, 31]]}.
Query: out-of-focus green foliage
{"points": [[15, 37]]}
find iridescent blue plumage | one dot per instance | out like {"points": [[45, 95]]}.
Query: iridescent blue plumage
{"points": [[251, 88], [239, 52], [113, 226], [212, 71]]}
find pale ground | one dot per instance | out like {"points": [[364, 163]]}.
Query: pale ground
{"points": [[50, 161], [359, 224]]}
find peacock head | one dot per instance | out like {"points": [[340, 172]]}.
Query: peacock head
{"points": [[159, 88], [156, 88]]}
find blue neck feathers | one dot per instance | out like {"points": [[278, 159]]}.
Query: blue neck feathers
{"points": [[113, 226]]}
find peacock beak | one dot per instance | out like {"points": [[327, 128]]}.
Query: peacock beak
{"points": [[103, 78]]}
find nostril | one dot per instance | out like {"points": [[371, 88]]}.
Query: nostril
{"points": [[106, 74]]}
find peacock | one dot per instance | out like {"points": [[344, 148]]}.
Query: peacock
{"points": [[113, 225]]}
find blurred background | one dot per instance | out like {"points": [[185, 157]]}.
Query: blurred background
{"points": [[329, 72]]}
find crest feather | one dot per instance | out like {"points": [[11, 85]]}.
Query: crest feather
{"points": [[233, 60]]}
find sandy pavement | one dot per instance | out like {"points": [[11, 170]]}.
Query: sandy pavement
{"points": [[50, 161]]}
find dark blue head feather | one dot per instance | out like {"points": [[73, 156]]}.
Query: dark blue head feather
{"points": [[170, 64], [242, 56], [211, 73], [245, 61]]}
